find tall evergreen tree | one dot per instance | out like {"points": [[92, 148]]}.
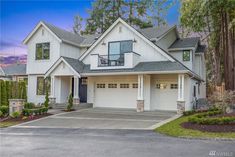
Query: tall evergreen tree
{"points": [[3, 94]]}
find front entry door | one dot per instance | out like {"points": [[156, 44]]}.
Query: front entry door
{"points": [[83, 89]]}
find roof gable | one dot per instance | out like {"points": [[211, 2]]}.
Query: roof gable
{"points": [[119, 20]]}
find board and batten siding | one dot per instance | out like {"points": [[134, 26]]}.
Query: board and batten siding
{"points": [[121, 32]]}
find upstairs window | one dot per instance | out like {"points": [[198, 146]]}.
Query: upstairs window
{"points": [[186, 55], [42, 51], [118, 48]]}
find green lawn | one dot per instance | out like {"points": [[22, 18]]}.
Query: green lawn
{"points": [[7, 124], [173, 128]]}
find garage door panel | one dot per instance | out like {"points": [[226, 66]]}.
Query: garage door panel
{"points": [[115, 97]]}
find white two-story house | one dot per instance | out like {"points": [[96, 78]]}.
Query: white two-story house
{"points": [[145, 69]]}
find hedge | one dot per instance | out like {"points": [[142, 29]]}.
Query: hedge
{"points": [[4, 110], [12, 90], [205, 119], [35, 111]]}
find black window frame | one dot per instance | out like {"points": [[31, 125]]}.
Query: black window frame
{"points": [[42, 55], [121, 41], [183, 55], [46, 84]]}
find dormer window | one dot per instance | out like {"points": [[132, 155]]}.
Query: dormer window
{"points": [[186, 55], [42, 51]]}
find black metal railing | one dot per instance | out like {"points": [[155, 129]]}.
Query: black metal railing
{"points": [[111, 60]]}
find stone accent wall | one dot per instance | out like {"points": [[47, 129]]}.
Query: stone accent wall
{"points": [[16, 105], [76, 101], [140, 106], [180, 107]]}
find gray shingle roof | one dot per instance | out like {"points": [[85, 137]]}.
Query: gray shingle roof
{"points": [[141, 67], [154, 32], [185, 43], [65, 35], [15, 69], [201, 49], [87, 40]]}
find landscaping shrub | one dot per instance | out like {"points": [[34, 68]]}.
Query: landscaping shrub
{"points": [[35, 111], [29, 105], [1, 114], [206, 119], [46, 103], [70, 103], [187, 113], [15, 114], [4, 110]]}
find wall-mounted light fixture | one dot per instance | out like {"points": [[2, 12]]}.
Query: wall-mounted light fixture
{"points": [[103, 43], [134, 40]]}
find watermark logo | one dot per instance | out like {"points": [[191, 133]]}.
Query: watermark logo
{"points": [[223, 154]]}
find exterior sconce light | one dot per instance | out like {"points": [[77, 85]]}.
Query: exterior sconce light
{"points": [[135, 41], [103, 43]]}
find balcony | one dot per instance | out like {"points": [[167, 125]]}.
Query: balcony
{"points": [[111, 60], [114, 61]]}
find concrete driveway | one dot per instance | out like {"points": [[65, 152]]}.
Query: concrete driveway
{"points": [[100, 118]]}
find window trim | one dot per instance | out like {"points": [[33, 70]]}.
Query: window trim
{"points": [[183, 55], [38, 59]]}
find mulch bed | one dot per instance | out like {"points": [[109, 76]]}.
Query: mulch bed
{"points": [[20, 120], [212, 128]]}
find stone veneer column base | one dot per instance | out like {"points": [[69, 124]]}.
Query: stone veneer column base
{"points": [[140, 106], [16, 105], [76, 101], [180, 107], [52, 101]]}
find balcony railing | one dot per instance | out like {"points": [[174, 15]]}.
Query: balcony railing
{"points": [[111, 60]]}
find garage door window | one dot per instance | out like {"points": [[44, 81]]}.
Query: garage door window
{"points": [[100, 85], [161, 86], [174, 86], [135, 85], [111, 85], [124, 85]]}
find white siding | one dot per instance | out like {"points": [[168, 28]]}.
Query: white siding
{"points": [[41, 66], [69, 51], [167, 40], [32, 90], [141, 47], [179, 56]]}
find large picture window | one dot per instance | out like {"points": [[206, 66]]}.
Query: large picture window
{"points": [[118, 48], [42, 51], [43, 85]]}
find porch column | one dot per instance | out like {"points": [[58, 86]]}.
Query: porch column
{"points": [[52, 98], [180, 101], [76, 99], [140, 97]]}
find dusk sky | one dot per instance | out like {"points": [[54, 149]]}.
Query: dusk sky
{"points": [[19, 17]]}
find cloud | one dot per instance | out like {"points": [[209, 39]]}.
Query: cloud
{"points": [[7, 44], [13, 51]]}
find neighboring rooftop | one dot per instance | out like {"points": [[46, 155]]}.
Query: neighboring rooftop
{"points": [[15, 69], [155, 32], [185, 43]]}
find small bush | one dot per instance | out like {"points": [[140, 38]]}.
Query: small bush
{"points": [[4, 110], [70, 103], [1, 114], [205, 119], [29, 105], [27, 112], [15, 114]]}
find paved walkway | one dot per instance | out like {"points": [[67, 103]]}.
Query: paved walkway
{"points": [[100, 118]]}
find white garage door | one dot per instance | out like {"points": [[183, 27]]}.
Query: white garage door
{"points": [[115, 95], [165, 96]]}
